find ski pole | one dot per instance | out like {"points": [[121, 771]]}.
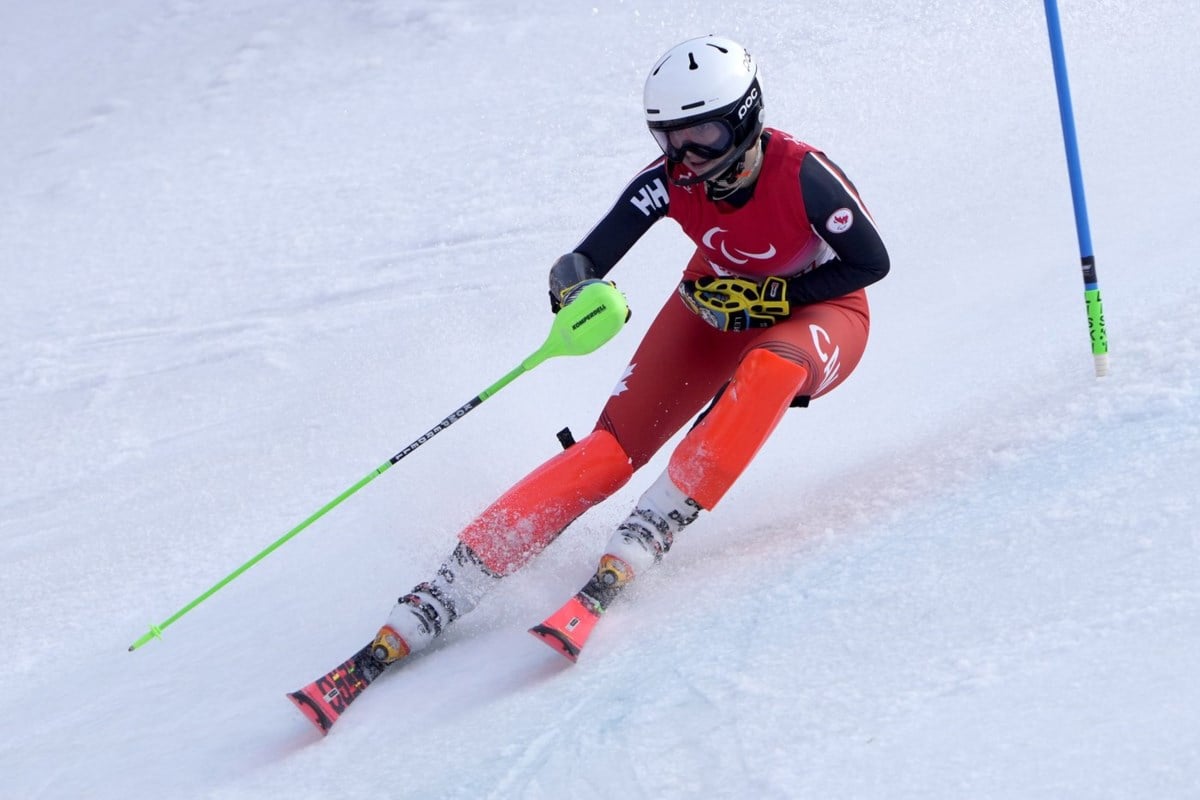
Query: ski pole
{"points": [[579, 328], [1091, 284]]}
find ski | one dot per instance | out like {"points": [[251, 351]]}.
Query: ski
{"points": [[328, 697], [566, 631]]}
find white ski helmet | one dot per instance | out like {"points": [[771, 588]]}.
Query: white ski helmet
{"points": [[703, 96]]}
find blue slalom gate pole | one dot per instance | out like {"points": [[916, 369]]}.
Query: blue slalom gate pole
{"points": [[1091, 285]]}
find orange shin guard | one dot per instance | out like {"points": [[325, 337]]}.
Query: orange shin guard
{"points": [[715, 452], [532, 513]]}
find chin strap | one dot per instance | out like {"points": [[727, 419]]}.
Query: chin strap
{"points": [[736, 176]]}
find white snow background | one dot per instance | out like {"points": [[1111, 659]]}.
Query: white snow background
{"points": [[250, 250]]}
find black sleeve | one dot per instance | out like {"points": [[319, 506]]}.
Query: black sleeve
{"points": [[839, 218], [642, 203]]}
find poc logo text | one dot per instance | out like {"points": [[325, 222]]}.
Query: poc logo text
{"points": [[750, 101]]}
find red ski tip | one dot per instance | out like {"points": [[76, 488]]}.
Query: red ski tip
{"points": [[567, 630], [315, 711], [555, 640], [324, 700]]}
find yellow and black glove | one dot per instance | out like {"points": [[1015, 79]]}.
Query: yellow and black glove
{"points": [[737, 304]]}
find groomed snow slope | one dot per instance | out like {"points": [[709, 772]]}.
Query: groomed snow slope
{"points": [[251, 250]]}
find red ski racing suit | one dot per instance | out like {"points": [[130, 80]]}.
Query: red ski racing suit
{"points": [[801, 220]]}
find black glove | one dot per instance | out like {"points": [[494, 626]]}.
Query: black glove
{"points": [[737, 304], [569, 294], [568, 276]]}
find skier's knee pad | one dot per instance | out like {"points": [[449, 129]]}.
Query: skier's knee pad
{"points": [[715, 452], [533, 512]]}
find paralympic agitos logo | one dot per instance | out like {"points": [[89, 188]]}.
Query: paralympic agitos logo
{"points": [[709, 240]]}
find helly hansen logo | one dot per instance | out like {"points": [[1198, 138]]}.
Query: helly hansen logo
{"points": [[651, 196]]}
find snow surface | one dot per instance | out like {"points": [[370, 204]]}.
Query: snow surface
{"points": [[252, 249]]}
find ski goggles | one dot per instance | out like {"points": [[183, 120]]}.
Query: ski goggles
{"points": [[708, 140]]}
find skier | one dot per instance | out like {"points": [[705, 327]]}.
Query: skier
{"points": [[770, 313]]}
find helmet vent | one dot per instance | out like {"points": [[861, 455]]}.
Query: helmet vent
{"points": [[692, 62], [717, 47], [690, 106]]}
